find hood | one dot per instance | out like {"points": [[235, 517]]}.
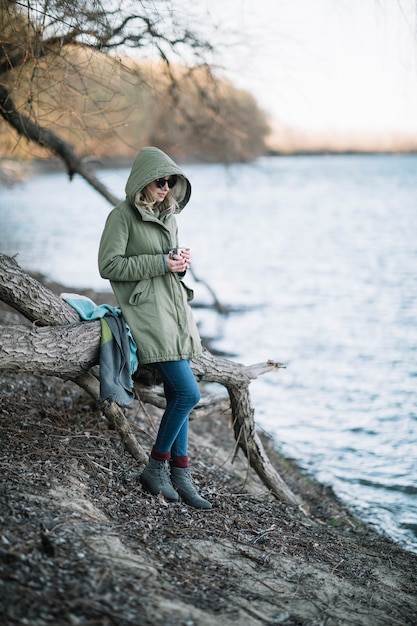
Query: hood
{"points": [[151, 163]]}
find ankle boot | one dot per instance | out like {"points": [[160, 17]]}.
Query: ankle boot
{"points": [[155, 479], [183, 483]]}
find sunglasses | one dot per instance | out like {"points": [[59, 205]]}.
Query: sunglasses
{"points": [[161, 182]]}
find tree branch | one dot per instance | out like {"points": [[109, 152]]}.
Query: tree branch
{"points": [[46, 138]]}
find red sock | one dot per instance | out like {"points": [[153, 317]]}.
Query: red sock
{"points": [[179, 461], [160, 456]]}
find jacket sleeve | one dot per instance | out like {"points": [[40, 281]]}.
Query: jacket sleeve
{"points": [[114, 264]]}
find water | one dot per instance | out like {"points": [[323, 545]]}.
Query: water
{"points": [[324, 251]]}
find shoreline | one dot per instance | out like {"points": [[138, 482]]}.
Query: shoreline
{"points": [[13, 171], [80, 542], [80, 539]]}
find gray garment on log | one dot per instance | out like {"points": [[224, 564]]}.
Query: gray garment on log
{"points": [[118, 358], [115, 377]]}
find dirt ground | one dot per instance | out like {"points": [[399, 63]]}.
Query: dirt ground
{"points": [[82, 544]]}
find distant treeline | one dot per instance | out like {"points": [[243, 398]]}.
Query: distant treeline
{"points": [[107, 107]]}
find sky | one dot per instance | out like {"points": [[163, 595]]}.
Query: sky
{"points": [[338, 65]]}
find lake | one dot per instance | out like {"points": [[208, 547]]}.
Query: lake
{"points": [[318, 255]]}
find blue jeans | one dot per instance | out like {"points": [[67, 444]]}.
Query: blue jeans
{"points": [[182, 394]]}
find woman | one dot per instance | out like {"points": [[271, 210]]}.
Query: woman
{"points": [[134, 256]]}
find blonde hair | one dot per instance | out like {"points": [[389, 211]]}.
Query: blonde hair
{"points": [[145, 199]]}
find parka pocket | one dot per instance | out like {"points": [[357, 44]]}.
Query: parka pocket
{"points": [[141, 291], [188, 291]]}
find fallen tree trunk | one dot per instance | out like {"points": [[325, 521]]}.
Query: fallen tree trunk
{"points": [[66, 351], [45, 309], [59, 344]]}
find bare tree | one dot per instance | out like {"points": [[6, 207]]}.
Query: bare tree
{"points": [[40, 67], [66, 79]]}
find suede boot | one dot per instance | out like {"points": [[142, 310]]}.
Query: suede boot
{"points": [[182, 480], [155, 479]]}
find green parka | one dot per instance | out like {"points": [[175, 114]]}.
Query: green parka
{"points": [[154, 302]]}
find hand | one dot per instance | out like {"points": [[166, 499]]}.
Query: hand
{"points": [[180, 262]]}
